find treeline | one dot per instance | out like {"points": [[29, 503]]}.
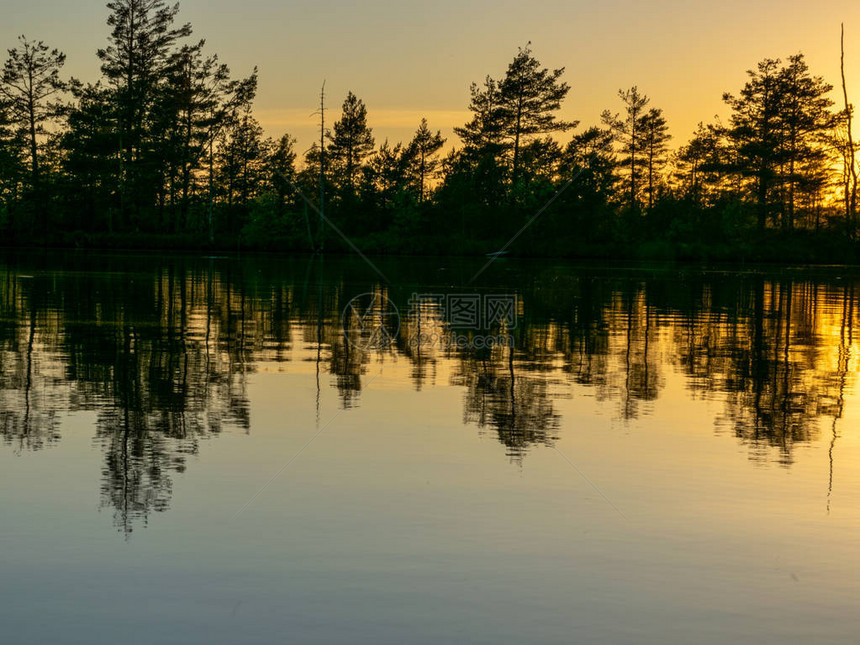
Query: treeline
{"points": [[164, 150]]}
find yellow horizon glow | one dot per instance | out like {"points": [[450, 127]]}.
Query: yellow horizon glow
{"points": [[408, 59]]}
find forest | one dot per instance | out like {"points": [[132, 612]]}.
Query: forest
{"points": [[163, 151]]}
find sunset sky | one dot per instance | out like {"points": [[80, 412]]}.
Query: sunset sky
{"points": [[410, 59]]}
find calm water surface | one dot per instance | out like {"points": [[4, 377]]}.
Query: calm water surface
{"points": [[193, 451]]}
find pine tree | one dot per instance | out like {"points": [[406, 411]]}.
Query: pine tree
{"points": [[350, 142], [806, 119], [200, 99], [529, 98], [756, 134], [282, 162], [701, 165], [628, 133], [89, 146], [655, 137], [29, 87], [592, 151], [389, 167], [136, 64], [478, 171], [484, 133], [422, 151], [242, 159], [9, 169]]}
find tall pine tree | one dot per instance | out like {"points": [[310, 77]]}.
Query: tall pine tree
{"points": [[530, 97], [136, 64], [29, 86], [350, 142], [422, 151]]}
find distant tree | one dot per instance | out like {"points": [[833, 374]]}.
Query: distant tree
{"points": [[282, 157], [241, 161], [587, 203], [282, 164], [655, 137], [350, 142], [89, 151], [539, 163], [628, 132], [485, 132], [592, 152], [507, 116], [389, 168], [9, 168], [701, 165], [422, 151], [29, 87], [199, 101], [811, 185], [529, 98], [476, 173], [308, 174]]}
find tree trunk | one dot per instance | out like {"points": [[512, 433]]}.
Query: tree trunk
{"points": [[851, 195], [762, 201], [651, 175], [41, 223], [516, 167]]}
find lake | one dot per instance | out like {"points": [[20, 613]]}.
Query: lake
{"points": [[316, 450]]}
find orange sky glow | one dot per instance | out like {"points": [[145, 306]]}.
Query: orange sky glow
{"points": [[409, 60]]}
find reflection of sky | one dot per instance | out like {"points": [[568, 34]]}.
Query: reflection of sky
{"points": [[408, 59], [398, 524]]}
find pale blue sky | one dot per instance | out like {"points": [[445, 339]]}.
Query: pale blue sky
{"points": [[409, 59]]}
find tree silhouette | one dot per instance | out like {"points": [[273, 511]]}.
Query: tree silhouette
{"points": [[29, 86], [655, 137], [136, 64], [529, 98], [422, 150], [282, 159], [242, 168], [806, 118], [629, 133], [164, 149], [847, 150], [350, 142], [484, 133], [755, 132]]}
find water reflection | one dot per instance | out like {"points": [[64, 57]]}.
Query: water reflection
{"points": [[160, 351]]}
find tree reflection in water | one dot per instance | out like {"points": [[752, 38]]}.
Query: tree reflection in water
{"points": [[162, 355]]}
